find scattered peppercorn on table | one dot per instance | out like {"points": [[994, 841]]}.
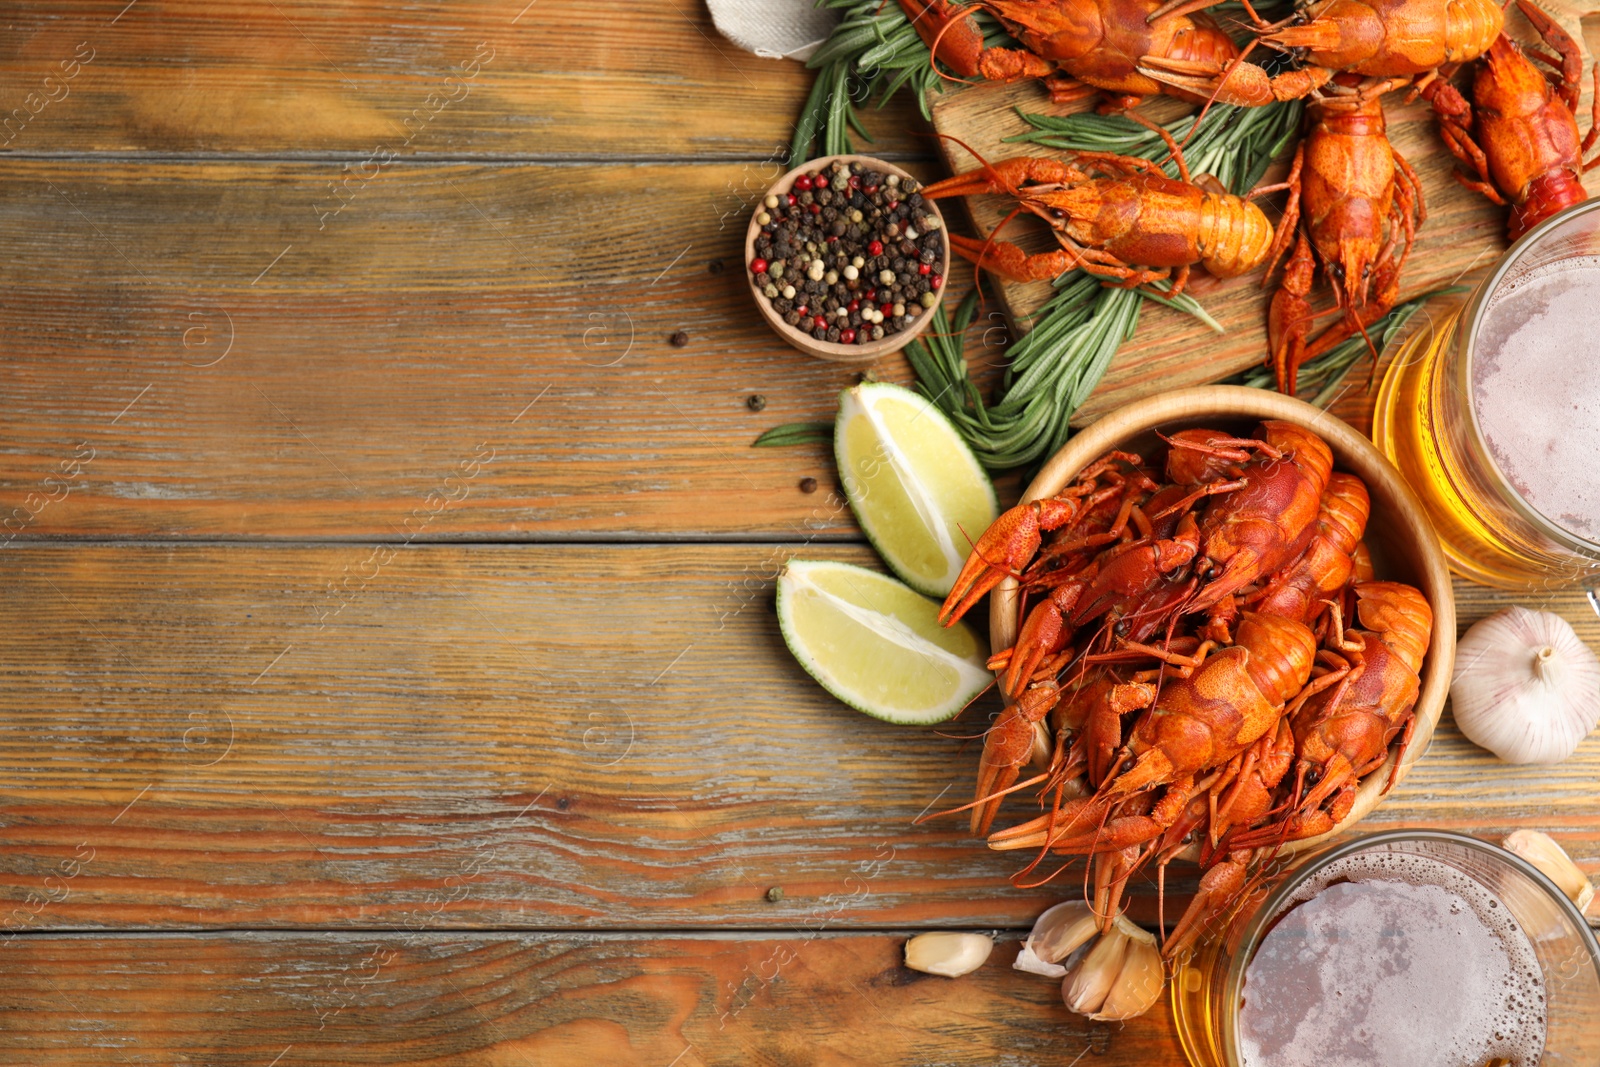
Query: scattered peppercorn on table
{"points": [[391, 674]]}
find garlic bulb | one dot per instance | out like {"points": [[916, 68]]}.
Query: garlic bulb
{"points": [[1526, 687], [947, 953], [1055, 936], [1121, 977]]}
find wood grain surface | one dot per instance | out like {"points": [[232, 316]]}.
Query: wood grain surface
{"points": [[608, 737], [311, 314], [310, 376], [463, 79], [792, 998]]}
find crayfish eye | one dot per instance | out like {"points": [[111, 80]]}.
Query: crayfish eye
{"points": [[1337, 270], [1057, 213], [1366, 271]]}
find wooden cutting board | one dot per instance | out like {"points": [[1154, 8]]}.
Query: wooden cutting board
{"points": [[1461, 238]]}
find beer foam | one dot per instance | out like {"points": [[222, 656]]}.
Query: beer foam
{"points": [[1536, 393], [1388, 958]]}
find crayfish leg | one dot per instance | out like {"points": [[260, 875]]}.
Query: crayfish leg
{"points": [[1010, 261], [1111, 873], [1065, 89]]}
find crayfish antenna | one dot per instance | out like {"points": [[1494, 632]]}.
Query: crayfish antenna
{"points": [[1047, 879], [996, 795], [988, 168], [989, 242], [1237, 62], [1174, 152], [964, 707]]}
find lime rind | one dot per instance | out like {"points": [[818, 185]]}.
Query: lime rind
{"points": [[877, 661]]}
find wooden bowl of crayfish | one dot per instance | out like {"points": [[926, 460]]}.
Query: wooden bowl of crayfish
{"points": [[859, 249], [1403, 545]]}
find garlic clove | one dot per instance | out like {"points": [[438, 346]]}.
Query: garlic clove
{"points": [[1028, 962], [1085, 989], [948, 953], [1542, 851], [1526, 687], [1062, 929], [1138, 985], [1132, 931], [1055, 936]]}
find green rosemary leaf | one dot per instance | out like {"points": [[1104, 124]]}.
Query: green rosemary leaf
{"points": [[1185, 303], [845, 41], [795, 433]]}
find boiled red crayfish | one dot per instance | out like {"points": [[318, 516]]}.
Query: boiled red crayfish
{"points": [[1086, 46], [1262, 498], [1303, 591], [1343, 732], [1274, 484], [1519, 135], [1371, 38], [1361, 204], [1191, 741], [1118, 217]]}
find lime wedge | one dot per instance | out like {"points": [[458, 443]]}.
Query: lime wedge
{"points": [[876, 645], [915, 487]]}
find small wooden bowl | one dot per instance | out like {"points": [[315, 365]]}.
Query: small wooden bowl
{"points": [[1404, 545], [804, 341]]}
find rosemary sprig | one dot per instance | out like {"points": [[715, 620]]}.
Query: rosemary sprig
{"points": [[872, 54], [795, 433], [1328, 371]]}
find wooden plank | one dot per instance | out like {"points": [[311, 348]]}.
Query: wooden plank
{"points": [[476, 78], [798, 998], [1462, 235], [234, 364], [568, 737]]}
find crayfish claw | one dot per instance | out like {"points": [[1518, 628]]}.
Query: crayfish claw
{"points": [[1219, 888], [1005, 548]]}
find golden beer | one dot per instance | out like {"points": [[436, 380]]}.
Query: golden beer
{"points": [[1492, 414], [1409, 947]]}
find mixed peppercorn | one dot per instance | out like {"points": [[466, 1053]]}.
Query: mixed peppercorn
{"points": [[849, 255]]}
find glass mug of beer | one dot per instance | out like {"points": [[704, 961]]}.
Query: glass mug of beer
{"points": [[1415, 947], [1493, 414]]}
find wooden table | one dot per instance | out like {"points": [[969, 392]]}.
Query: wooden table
{"points": [[390, 671]]}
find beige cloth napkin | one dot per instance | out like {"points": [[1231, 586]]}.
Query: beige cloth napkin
{"points": [[773, 29]]}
